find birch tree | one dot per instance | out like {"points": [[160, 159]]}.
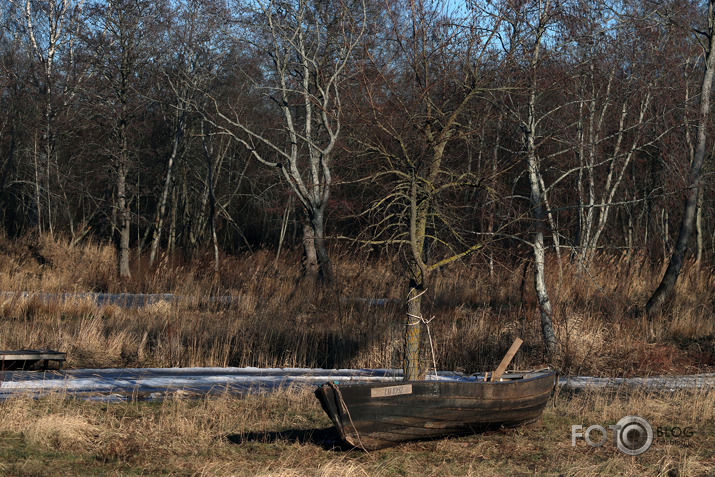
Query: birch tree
{"points": [[613, 115], [529, 23], [50, 29], [186, 61]]}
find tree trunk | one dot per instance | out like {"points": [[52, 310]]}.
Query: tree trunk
{"points": [[665, 229], [212, 214], [209, 195], [284, 227], [171, 241], [536, 200], [667, 284], [38, 189], [492, 201], [542, 295], [316, 262], [48, 158], [325, 267], [161, 213], [413, 330], [310, 259], [124, 219], [699, 232]]}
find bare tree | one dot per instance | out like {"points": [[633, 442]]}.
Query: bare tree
{"points": [[183, 72], [119, 46], [209, 194], [50, 28], [417, 94], [613, 112], [528, 24], [706, 38], [305, 48]]}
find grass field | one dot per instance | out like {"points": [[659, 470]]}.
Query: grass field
{"points": [[287, 434]]}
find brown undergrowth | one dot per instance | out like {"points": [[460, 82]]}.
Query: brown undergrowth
{"points": [[276, 319]]}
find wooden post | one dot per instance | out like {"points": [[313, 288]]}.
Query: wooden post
{"points": [[507, 359]]}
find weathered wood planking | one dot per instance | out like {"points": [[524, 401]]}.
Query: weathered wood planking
{"points": [[391, 390], [496, 375], [26, 358], [373, 416]]}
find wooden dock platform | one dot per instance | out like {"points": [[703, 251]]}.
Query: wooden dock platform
{"points": [[29, 358]]}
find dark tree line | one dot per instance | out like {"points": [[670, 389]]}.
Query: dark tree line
{"points": [[558, 127]]}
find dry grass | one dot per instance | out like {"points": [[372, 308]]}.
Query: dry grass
{"points": [[286, 434], [277, 320]]}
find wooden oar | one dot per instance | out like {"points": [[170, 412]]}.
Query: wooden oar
{"points": [[506, 360]]}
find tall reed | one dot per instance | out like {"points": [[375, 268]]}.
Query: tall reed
{"points": [[275, 319]]}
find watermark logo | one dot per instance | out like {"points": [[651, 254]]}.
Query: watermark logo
{"points": [[674, 435], [635, 435], [632, 435]]}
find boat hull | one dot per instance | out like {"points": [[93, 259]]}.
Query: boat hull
{"points": [[377, 415]]}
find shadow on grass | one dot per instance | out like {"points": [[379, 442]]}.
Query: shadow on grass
{"points": [[327, 438]]}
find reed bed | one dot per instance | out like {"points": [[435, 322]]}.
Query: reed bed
{"points": [[276, 319]]}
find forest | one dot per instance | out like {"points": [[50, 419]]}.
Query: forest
{"points": [[542, 137]]}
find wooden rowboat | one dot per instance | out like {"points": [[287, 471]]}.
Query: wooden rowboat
{"points": [[377, 415]]}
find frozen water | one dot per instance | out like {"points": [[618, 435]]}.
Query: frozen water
{"points": [[157, 383]]}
